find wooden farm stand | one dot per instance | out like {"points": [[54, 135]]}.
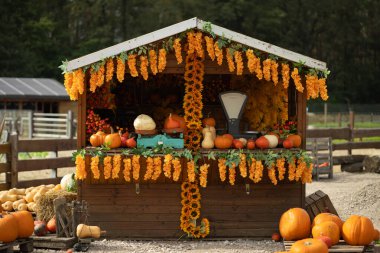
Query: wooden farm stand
{"points": [[152, 210]]}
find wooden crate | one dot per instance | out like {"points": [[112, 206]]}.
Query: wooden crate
{"points": [[341, 247], [24, 245], [51, 241], [319, 202]]}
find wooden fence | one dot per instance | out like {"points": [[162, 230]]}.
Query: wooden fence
{"points": [[348, 134], [12, 165]]}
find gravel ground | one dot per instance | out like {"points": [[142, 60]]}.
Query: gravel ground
{"points": [[350, 194]]}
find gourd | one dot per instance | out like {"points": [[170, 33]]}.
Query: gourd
{"points": [[8, 228], [84, 231], [31, 206], [16, 191], [244, 141], [322, 217], [51, 225], [7, 206], [213, 132], [18, 202], [68, 183], [222, 142], [273, 140], [376, 235], [358, 230], [295, 224], [144, 122], [4, 197], [181, 120], [207, 142], [250, 144], [22, 207], [40, 229], [238, 144], [29, 196], [25, 223], [309, 246], [329, 229], [287, 144]]}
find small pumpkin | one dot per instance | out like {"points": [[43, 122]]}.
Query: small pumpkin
{"points": [[113, 140], [250, 144], [322, 217], [238, 144], [326, 240], [309, 245], [96, 140], [51, 225], [102, 135], [262, 142], [230, 136], [209, 122], [222, 142], [171, 123], [40, 229], [358, 230], [295, 224], [287, 144], [25, 223], [329, 229], [181, 120], [8, 228], [296, 139]]}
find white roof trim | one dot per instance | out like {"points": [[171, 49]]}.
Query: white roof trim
{"points": [[186, 25]]}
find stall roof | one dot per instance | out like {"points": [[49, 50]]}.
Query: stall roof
{"points": [[32, 88], [182, 27]]}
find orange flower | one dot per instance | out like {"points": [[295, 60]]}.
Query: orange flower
{"points": [[149, 168], [210, 47], [218, 53], [161, 60], [267, 69], [259, 72], [157, 167], [110, 69], [153, 61], [258, 171], [230, 61], [177, 169], [307, 175], [191, 43], [203, 175], [136, 167], [285, 75], [144, 67], [301, 167], [323, 88], [107, 162], [312, 86], [292, 169], [232, 174], [95, 167], [239, 63], [178, 50], [222, 169], [120, 70], [116, 166], [80, 172], [132, 65], [168, 165], [251, 64], [272, 175], [280, 164], [68, 81], [243, 165], [198, 45], [100, 78], [191, 171], [274, 72], [127, 169], [252, 168], [297, 80], [93, 80]]}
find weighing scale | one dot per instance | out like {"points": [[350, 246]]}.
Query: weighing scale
{"points": [[170, 139]]}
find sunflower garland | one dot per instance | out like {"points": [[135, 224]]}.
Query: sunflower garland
{"points": [[149, 168], [203, 175], [116, 166], [161, 60], [132, 65], [285, 75], [297, 80], [178, 50], [239, 63], [144, 67], [267, 69], [210, 47], [168, 165], [222, 169], [80, 171], [230, 60], [127, 169], [243, 165], [176, 168], [95, 167], [110, 69], [218, 53], [136, 167], [157, 162], [120, 69], [153, 61], [107, 162]]}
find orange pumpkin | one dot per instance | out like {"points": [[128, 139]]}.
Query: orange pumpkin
{"points": [[229, 136], [358, 230], [52, 225], [262, 142], [309, 246], [171, 123], [8, 228], [222, 142], [250, 144], [208, 122], [329, 229], [295, 224], [113, 140], [96, 140], [376, 235], [25, 223], [322, 217], [181, 120], [296, 139], [101, 134], [287, 144]]}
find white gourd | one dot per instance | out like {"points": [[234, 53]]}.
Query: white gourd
{"points": [[144, 122], [273, 141]]}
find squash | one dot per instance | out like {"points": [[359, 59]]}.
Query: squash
{"points": [[209, 122], [144, 122], [22, 207], [25, 223], [68, 183], [181, 120], [84, 231], [237, 144], [113, 140], [18, 202], [295, 224], [322, 217], [230, 136], [207, 142], [262, 142], [51, 225], [250, 144], [28, 190], [7, 206], [296, 139], [213, 132], [222, 142], [4, 197], [31, 206], [8, 228], [244, 141], [288, 144], [16, 191], [29, 197], [309, 246], [273, 140], [358, 230], [329, 229]]}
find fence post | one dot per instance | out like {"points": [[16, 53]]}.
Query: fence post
{"points": [[325, 113], [339, 119], [351, 126], [14, 159], [30, 124], [69, 124]]}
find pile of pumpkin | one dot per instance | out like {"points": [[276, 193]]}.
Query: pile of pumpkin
{"points": [[19, 224], [24, 199], [326, 230]]}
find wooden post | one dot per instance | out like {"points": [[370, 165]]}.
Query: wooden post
{"points": [[69, 124], [30, 124], [14, 159], [351, 126], [339, 119]]}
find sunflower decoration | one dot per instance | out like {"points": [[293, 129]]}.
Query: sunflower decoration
{"points": [[191, 171], [153, 61], [120, 69], [297, 79], [132, 65], [178, 50], [107, 162], [80, 172], [116, 166], [230, 60], [198, 45], [95, 167], [239, 63], [144, 67], [127, 169], [210, 47], [191, 43], [285, 75], [161, 60], [218, 53], [110, 69], [191, 211]]}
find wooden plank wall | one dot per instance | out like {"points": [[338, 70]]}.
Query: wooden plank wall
{"points": [[155, 211]]}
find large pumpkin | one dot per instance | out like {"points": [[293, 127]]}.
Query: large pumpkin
{"points": [[8, 228], [296, 139], [223, 142], [309, 246], [25, 223], [358, 230], [322, 217], [329, 229], [295, 224], [113, 140]]}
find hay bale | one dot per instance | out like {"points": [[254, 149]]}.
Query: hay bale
{"points": [[45, 206]]}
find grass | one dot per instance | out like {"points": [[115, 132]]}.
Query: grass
{"points": [[31, 155], [344, 124]]}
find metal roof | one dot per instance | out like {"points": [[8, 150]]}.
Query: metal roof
{"points": [[184, 26], [31, 88]]}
